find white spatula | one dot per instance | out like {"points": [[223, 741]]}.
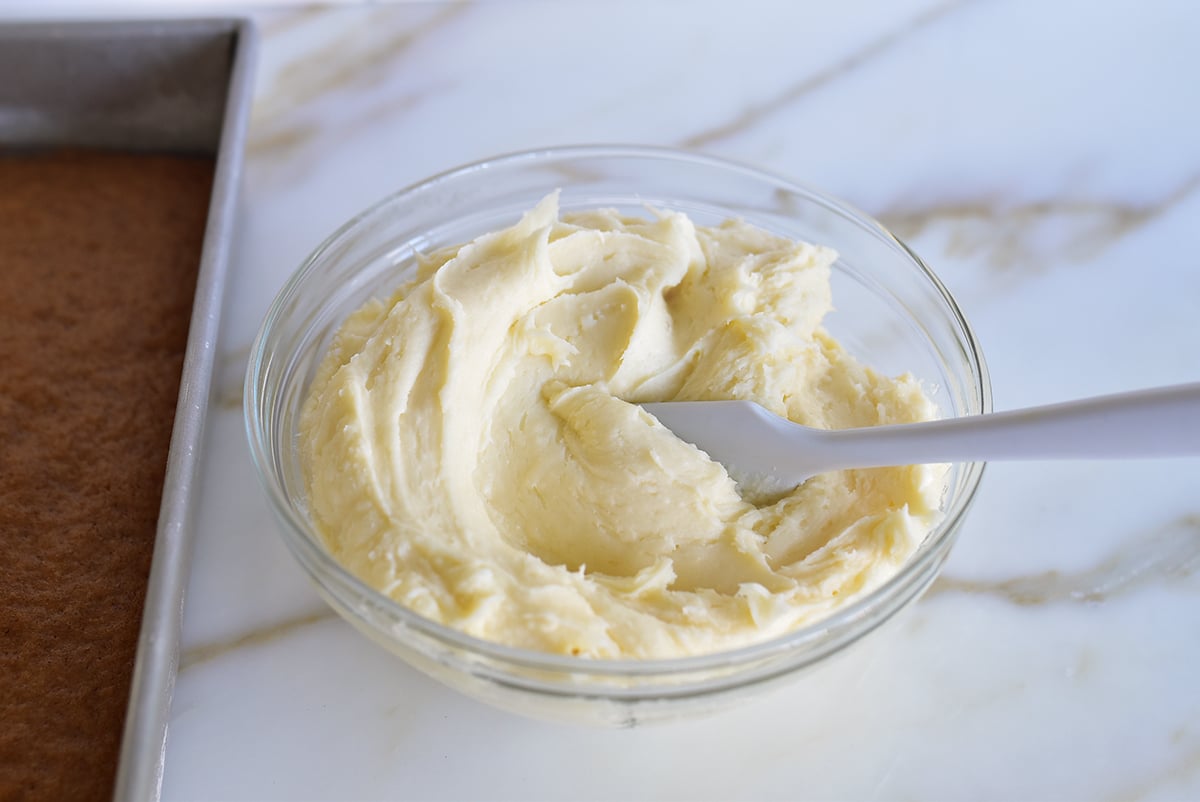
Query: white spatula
{"points": [[774, 454]]}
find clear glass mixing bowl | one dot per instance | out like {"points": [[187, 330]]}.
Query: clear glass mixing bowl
{"points": [[891, 312]]}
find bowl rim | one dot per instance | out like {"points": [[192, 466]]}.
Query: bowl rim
{"points": [[299, 534]]}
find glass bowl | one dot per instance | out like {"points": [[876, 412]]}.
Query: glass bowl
{"points": [[891, 312]]}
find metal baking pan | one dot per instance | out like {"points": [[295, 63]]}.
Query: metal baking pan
{"points": [[168, 86]]}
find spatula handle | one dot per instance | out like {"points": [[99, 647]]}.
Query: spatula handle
{"points": [[1161, 422]]}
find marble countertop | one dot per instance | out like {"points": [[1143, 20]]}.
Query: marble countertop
{"points": [[1043, 158]]}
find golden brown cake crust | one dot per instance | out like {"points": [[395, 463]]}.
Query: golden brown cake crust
{"points": [[98, 259]]}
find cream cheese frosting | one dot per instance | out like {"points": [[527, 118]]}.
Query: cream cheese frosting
{"points": [[473, 448]]}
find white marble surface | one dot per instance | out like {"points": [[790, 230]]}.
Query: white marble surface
{"points": [[1044, 158]]}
